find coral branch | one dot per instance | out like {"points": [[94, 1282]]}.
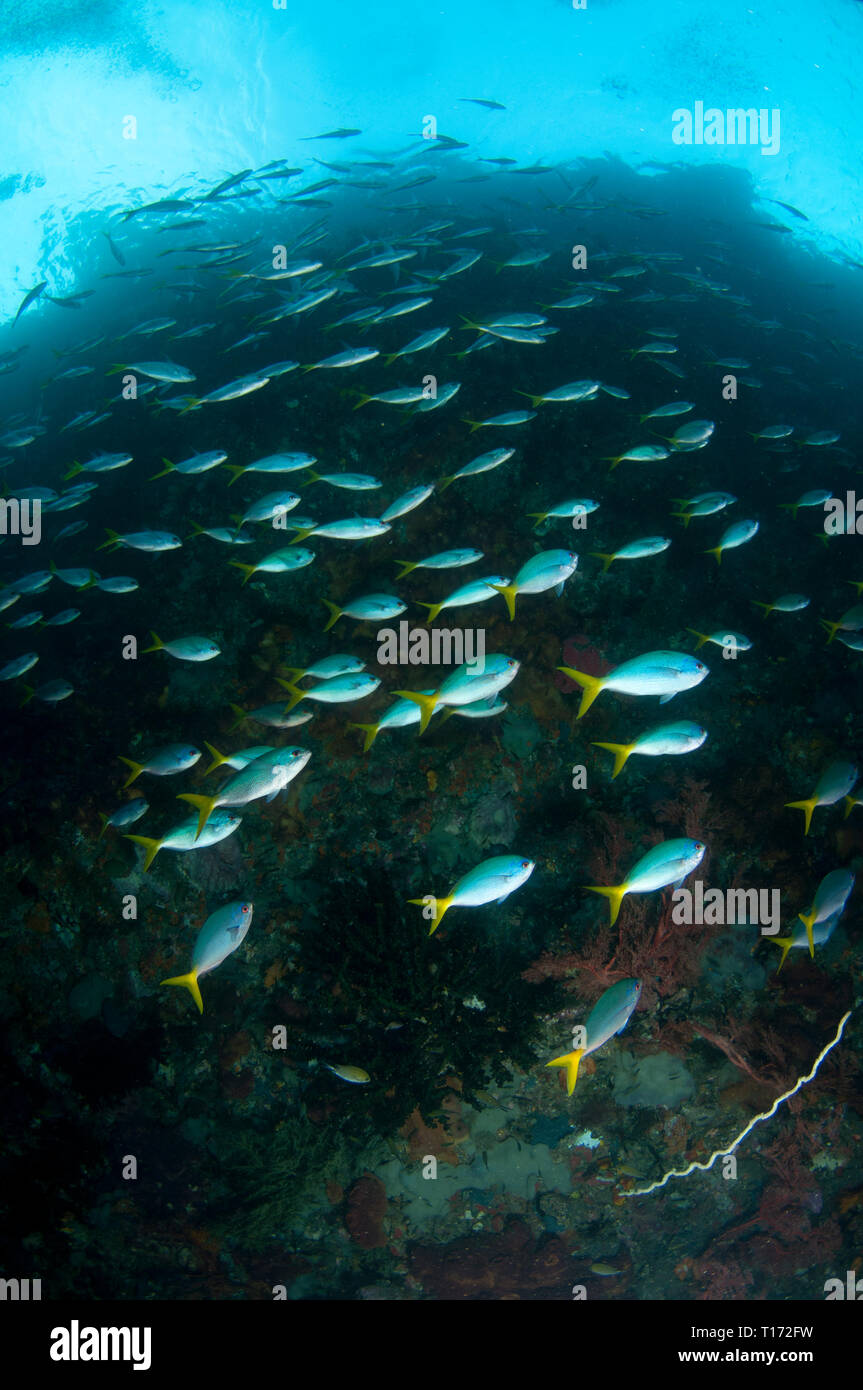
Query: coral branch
{"points": [[757, 1120]]}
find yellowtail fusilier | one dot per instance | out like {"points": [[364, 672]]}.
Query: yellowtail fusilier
{"points": [[609, 1016], [170, 372], [464, 686], [668, 862], [414, 497], [196, 463], [786, 603], [352, 482], [799, 937], [356, 528], [272, 507], [815, 498], [265, 777], [575, 506], [277, 562], [492, 881], [397, 311], [351, 357], [510, 417], [150, 541], [550, 569], [400, 395], [664, 674], [271, 463], [477, 591], [642, 453], [371, 608], [723, 637], [185, 837], [704, 504], [218, 938], [226, 535], [270, 716], [185, 648], [236, 761], [774, 432], [18, 666], [665, 412], [51, 693], [658, 742], [443, 560], [635, 550], [482, 464], [419, 344], [400, 715], [102, 463], [737, 534], [233, 391], [836, 782], [831, 896], [694, 435], [340, 690], [327, 668], [166, 762], [851, 621], [127, 814], [573, 392]]}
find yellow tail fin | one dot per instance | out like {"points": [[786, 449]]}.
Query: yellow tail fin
{"points": [[570, 1060], [606, 559], [427, 704], [205, 806], [702, 637], [807, 807], [370, 731], [685, 517], [112, 542], [621, 752], [169, 468], [241, 717], [248, 570], [235, 470], [717, 551], [590, 687], [510, 594], [157, 644], [433, 609], [151, 847], [302, 534], [445, 481], [137, 769], [441, 905], [189, 982], [615, 897], [768, 607], [335, 614], [850, 803], [784, 943], [296, 694], [407, 566], [808, 921], [218, 758], [830, 628], [539, 517]]}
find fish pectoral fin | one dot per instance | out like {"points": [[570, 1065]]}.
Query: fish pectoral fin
{"points": [[664, 699]]}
